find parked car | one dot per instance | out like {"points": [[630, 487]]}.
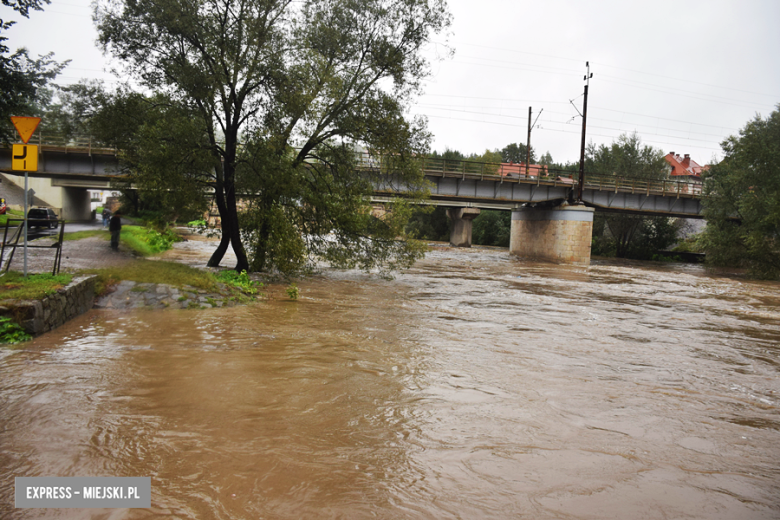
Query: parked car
{"points": [[42, 217]]}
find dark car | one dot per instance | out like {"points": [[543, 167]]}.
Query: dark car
{"points": [[42, 217]]}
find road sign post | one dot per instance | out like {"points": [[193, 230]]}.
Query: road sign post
{"points": [[25, 158]]}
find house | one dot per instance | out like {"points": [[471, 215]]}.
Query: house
{"points": [[684, 168], [519, 170]]}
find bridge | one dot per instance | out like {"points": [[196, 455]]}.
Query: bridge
{"points": [[540, 213]]}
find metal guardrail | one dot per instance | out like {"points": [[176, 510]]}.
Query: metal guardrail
{"points": [[547, 176], [12, 243], [76, 143]]}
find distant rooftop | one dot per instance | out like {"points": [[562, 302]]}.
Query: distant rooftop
{"points": [[684, 165]]}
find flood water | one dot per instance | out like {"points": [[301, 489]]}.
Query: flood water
{"points": [[473, 386]]}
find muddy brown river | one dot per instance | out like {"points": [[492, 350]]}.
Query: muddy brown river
{"points": [[473, 386]]}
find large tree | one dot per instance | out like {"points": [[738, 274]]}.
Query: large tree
{"points": [[287, 92], [742, 200], [517, 153], [629, 235]]}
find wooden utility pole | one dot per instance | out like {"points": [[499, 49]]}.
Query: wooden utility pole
{"points": [[581, 185], [528, 145]]}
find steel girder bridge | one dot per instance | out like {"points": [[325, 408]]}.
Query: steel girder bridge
{"points": [[79, 164]]}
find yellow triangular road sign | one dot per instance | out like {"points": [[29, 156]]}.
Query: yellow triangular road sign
{"points": [[25, 126]]}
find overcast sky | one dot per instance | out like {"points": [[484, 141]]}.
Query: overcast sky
{"points": [[682, 74]]}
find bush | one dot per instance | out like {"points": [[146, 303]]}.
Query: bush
{"points": [[147, 241], [492, 228], [11, 332], [240, 281]]}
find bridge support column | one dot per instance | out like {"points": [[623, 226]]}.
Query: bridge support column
{"points": [[562, 234], [461, 225]]}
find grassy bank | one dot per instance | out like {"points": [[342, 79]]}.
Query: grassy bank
{"points": [[148, 271], [14, 286], [10, 213]]}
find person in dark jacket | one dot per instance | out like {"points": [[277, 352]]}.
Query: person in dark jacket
{"points": [[106, 217], [115, 227]]}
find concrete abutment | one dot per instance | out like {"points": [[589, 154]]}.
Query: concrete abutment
{"points": [[462, 220], [561, 234]]}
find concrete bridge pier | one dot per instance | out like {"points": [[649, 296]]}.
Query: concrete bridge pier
{"points": [[560, 234], [462, 218]]}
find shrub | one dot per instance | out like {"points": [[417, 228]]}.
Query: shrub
{"points": [[240, 281], [11, 332]]}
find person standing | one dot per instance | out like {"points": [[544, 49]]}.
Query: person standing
{"points": [[115, 227], [106, 215]]}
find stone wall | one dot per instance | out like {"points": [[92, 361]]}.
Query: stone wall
{"points": [[561, 235], [39, 316]]}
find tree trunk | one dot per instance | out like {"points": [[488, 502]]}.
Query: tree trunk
{"points": [[230, 222], [219, 197]]}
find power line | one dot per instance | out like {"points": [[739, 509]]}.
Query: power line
{"points": [[715, 98], [579, 60], [591, 134], [628, 123]]}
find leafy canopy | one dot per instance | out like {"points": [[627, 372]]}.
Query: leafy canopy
{"points": [[279, 95], [629, 236], [742, 200], [22, 78]]}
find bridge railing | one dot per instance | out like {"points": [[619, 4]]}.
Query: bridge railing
{"points": [[538, 174], [80, 142], [639, 186], [544, 175]]}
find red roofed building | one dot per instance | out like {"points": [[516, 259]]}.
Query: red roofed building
{"points": [[684, 167], [518, 169]]}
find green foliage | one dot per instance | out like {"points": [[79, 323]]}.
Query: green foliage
{"points": [[429, 223], [147, 241], [147, 271], [517, 153], [292, 291], [240, 281], [14, 286], [11, 332], [632, 236], [742, 201], [622, 235], [492, 228], [302, 85], [546, 159], [663, 258], [22, 79], [691, 244], [79, 235], [10, 213], [627, 158]]}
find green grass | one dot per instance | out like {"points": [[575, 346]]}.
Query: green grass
{"points": [[78, 235], [145, 241], [148, 271], [10, 213], [14, 286]]}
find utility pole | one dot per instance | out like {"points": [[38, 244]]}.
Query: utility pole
{"points": [[581, 185], [528, 144]]}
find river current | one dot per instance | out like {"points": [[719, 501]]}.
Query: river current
{"points": [[474, 385]]}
